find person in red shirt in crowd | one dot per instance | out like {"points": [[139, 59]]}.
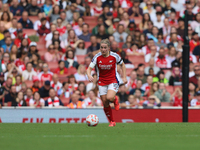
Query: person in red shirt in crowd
{"points": [[20, 99], [28, 96], [173, 20], [196, 101], [147, 86], [20, 61], [194, 79], [60, 28], [61, 70], [36, 101], [194, 41], [43, 30], [45, 74], [35, 87], [147, 48], [19, 38], [131, 84], [161, 60], [176, 97], [55, 82]]}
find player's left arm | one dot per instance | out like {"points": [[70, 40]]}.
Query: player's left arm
{"points": [[123, 72]]}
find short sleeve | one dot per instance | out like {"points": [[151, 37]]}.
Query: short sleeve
{"points": [[118, 59], [94, 60]]}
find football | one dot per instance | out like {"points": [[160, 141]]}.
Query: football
{"points": [[92, 120]]}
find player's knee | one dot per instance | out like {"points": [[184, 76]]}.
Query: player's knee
{"points": [[109, 98]]}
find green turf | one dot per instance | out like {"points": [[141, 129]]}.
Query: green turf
{"points": [[155, 136]]}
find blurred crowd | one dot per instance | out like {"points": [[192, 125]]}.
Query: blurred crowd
{"points": [[47, 45]]}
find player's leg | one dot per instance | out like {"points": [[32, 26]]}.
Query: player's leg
{"points": [[107, 109], [111, 94]]}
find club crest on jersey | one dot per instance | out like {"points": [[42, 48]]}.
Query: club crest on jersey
{"points": [[100, 61], [110, 61]]}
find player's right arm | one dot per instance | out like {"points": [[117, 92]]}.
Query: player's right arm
{"points": [[91, 66]]}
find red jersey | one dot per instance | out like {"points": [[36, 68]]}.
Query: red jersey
{"points": [[162, 63], [18, 62], [45, 76], [177, 101], [193, 44], [107, 68]]}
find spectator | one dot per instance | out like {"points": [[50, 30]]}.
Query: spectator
{"points": [[150, 10], [160, 42], [135, 11], [80, 48], [176, 78], [36, 101], [26, 23], [181, 28], [45, 74], [7, 85], [102, 32], [138, 86], [140, 75], [162, 93], [194, 40], [176, 97], [6, 20], [98, 10], [5, 8], [123, 96], [56, 37], [85, 36], [154, 88], [120, 35], [19, 37], [131, 84], [132, 101], [196, 23], [33, 9], [61, 70], [33, 49], [24, 4], [91, 86], [24, 45], [115, 47], [70, 62], [161, 60], [8, 44], [168, 9], [151, 65], [20, 100], [159, 23], [13, 52], [160, 77], [35, 87], [62, 17], [28, 95], [29, 72], [147, 48], [72, 83], [13, 72], [69, 13], [92, 100], [49, 36], [53, 100], [109, 20], [96, 28], [6, 33], [196, 101], [16, 9], [176, 5], [87, 11], [79, 6], [128, 64], [151, 102], [46, 8], [149, 29], [128, 43], [55, 83], [144, 24], [18, 83], [51, 55], [194, 78], [11, 96], [94, 45], [64, 91], [60, 28], [81, 73], [76, 104], [147, 86], [142, 40], [152, 53], [44, 90], [42, 29], [13, 27]]}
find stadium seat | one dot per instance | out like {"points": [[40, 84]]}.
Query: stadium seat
{"points": [[81, 58], [65, 101], [87, 44], [166, 104], [136, 59], [29, 32], [52, 66], [71, 70], [91, 18], [128, 71], [29, 83], [33, 18], [120, 44], [41, 53], [170, 89]]}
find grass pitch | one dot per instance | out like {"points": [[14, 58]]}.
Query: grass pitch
{"points": [[137, 136]]}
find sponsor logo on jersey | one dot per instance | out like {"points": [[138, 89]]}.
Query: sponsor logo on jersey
{"points": [[105, 67]]}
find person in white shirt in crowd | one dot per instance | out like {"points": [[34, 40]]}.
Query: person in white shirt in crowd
{"points": [[50, 35], [53, 100], [120, 35], [81, 73], [150, 10], [64, 91], [196, 101], [151, 64], [166, 29], [171, 56], [159, 23], [196, 8], [153, 54], [196, 23], [55, 82], [62, 16], [91, 86], [29, 72], [176, 5], [38, 23], [36, 101], [92, 100], [14, 26]]}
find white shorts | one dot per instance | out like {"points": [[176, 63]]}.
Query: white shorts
{"points": [[104, 89]]}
